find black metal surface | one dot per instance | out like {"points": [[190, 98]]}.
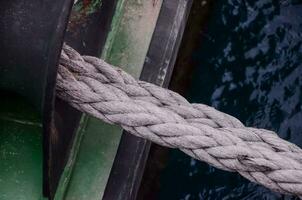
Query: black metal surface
{"points": [[126, 174], [31, 37]]}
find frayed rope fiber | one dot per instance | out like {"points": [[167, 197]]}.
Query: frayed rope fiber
{"points": [[164, 117]]}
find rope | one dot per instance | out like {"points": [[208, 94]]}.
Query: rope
{"points": [[106, 92]]}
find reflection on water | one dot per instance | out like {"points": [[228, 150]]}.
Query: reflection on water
{"points": [[249, 64]]}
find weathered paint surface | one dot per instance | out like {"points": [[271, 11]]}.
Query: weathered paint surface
{"points": [[131, 34], [87, 171], [84, 173], [20, 150]]}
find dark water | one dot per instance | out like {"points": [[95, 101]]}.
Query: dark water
{"points": [[248, 64]]}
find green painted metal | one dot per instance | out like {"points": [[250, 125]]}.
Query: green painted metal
{"points": [[131, 34], [20, 150], [96, 143], [68, 170], [93, 162]]}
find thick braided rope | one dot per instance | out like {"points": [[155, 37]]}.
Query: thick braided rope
{"points": [[93, 86]]}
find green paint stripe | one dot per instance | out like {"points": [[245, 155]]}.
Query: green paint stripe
{"points": [[67, 173]]}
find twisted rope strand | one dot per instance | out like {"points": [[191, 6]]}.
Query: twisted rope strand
{"points": [[93, 86]]}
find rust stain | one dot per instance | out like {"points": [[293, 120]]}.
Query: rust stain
{"points": [[86, 4], [81, 12]]}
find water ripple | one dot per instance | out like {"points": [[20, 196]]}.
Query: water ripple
{"points": [[254, 73]]}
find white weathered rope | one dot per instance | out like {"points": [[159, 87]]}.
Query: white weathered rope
{"points": [[93, 86]]}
